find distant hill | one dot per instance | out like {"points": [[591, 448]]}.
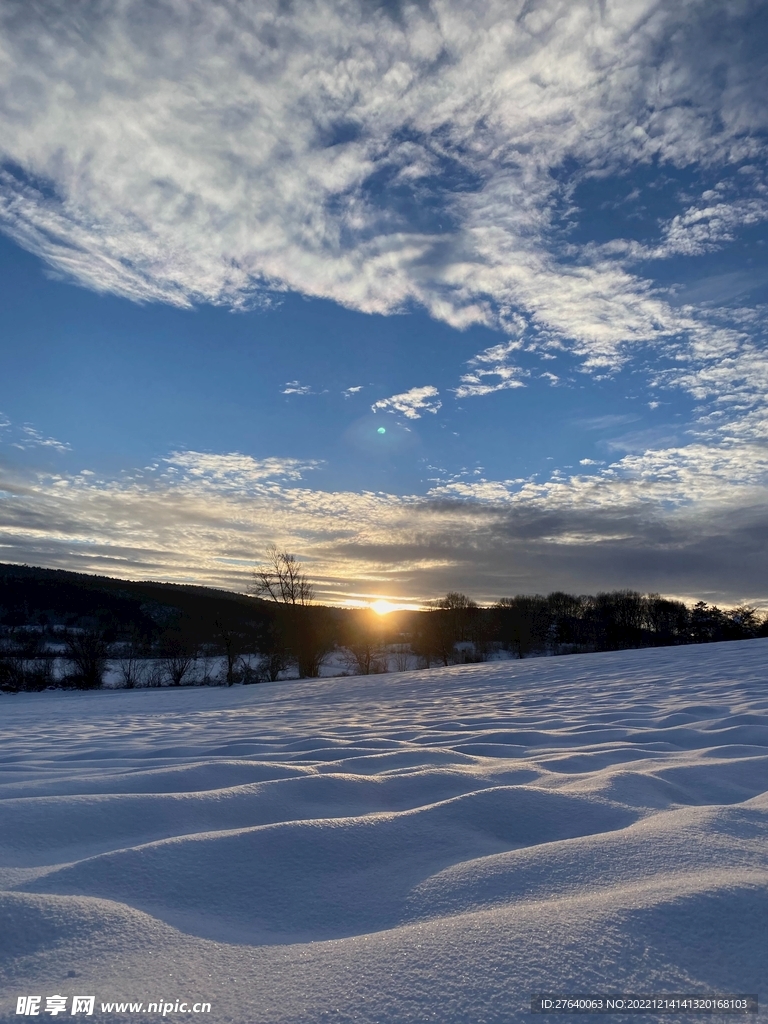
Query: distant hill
{"points": [[53, 598]]}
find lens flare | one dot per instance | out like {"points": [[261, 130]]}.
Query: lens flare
{"points": [[381, 430]]}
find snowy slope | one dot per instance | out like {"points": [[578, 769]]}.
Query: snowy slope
{"points": [[426, 846]]}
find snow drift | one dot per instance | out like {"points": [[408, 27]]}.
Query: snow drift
{"points": [[415, 847]]}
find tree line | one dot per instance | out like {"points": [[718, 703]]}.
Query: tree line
{"points": [[193, 635], [560, 623]]}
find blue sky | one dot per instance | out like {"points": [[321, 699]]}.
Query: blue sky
{"points": [[526, 241]]}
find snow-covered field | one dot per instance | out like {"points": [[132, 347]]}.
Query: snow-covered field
{"points": [[425, 846]]}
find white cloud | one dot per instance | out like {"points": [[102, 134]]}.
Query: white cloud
{"points": [[348, 392], [411, 403], [233, 471], [31, 437], [489, 364], [703, 227], [497, 354], [476, 383], [690, 520], [219, 153], [293, 387]]}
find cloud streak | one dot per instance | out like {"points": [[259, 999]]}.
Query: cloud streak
{"points": [[411, 404], [487, 365], [691, 521], [31, 437], [373, 158]]}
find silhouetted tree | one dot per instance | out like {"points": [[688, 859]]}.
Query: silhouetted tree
{"points": [[566, 619], [402, 654], [365, 652], [461, 613], [745, 621], [667, 620], [522, 623], [311, 639], [618, 617], [451, 620], [23, 665], [177, 664], [434, 638], [133, 652], [706, 623], [273, 646], [179, 647], [307, 631], [282, 579], [88, 650], [232, 643]]}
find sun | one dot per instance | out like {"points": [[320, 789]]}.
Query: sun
{"points": [[381, 607]]}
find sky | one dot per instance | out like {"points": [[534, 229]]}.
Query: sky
{"points": [[434, 295]]}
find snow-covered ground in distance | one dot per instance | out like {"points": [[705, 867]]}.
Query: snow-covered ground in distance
{"points": [[211, 670], [423, 846]]}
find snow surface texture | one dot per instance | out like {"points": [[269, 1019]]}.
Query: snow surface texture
{"points": [[425, 846]]}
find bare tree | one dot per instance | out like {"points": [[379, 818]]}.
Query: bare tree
{"points": [[88, 650], [522, 622], [449, 621], [744, 620], [365, 652], [130, 666], [363, 659], [131, 662], [282, 579], [180, 649], [402, 656], [273, 648], [23, 665], [231, 642], [177, 666], [434, 638], [307, 631], [312, 637]]}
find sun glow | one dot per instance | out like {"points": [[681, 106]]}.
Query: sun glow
{"points": [[381, 607]]}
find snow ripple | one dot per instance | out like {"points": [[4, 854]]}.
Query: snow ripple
{"points": [[419, 846]]}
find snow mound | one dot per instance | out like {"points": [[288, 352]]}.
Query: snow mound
{"points": [[419, 846]]}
